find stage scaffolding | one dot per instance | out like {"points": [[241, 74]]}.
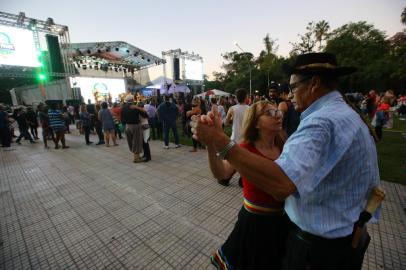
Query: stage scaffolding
{"points": [[38, 26]]}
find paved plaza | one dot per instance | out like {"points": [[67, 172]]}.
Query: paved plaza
{"points": [[90, 207]]}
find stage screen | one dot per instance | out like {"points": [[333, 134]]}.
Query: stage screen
{"points": [[193, 70], [17, 47], [99, 88]]}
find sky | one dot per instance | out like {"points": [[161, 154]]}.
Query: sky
{"points": [[209, 28]]}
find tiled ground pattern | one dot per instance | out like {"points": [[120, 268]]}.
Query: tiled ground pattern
{"points": [[90, 207]]}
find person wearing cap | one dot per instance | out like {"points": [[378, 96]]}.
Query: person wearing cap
{"points": [[325, 172], [130, 117]]}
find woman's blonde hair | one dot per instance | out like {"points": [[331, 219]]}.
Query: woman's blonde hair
{"points": [[250, 132]]}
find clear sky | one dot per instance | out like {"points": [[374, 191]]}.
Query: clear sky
{"points": [[206, 27]]}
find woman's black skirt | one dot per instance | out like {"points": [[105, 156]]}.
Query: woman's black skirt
{"points": [[257, 242]]}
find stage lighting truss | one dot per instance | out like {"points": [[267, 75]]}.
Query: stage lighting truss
{"points": [[21, 21], [177, 53], [38, 26], [117, 53]]}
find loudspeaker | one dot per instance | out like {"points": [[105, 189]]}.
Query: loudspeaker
{"points": [[55, 57], [176, 71]]}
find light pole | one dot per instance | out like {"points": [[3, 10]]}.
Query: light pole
{"points": [[249, 65]]}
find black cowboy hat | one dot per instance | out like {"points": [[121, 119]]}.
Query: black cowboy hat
{"points": [[318, 64]]}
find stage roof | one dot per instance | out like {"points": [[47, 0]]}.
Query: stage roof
{"points": [[118, 53]]}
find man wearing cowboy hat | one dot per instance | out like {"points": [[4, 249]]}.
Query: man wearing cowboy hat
{"points": [[326, 169]]}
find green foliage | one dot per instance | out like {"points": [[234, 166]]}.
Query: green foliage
{"points": [[307, 41], [362, 45], [380, 61]]}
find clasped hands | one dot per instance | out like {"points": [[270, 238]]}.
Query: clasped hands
{"points": [[207, 128]]}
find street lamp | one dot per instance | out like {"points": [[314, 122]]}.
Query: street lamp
{"points": [[249, 65]]}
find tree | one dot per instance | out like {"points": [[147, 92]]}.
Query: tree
{"points": [[270, 45], [321, 32], [403, 16], [307, 41], [361, 45]]}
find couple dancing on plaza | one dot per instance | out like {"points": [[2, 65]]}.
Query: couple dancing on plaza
{"points": [[302, 197]]}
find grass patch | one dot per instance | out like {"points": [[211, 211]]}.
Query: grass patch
{"points": [[391, 151]]}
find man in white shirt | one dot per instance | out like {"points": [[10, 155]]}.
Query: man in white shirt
{"points": [[236, 116]]}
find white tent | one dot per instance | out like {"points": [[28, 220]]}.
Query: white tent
{"points": [[178, 88], [173, 88], [214, 92]]}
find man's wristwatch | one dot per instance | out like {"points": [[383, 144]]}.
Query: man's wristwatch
{"points": [[223, 152]]}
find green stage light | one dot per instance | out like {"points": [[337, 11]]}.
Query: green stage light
{"points": [[42, 77]]}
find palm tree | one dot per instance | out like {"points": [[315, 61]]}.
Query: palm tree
{"points": [[403, 16], [320, 31]]}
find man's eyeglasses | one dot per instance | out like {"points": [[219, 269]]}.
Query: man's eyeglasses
{"points": [[293, 86], [273, 113]]}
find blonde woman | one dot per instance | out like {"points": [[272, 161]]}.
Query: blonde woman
{"points": [[257, 240]]}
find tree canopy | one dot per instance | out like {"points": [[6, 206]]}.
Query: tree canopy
{"points": [[380, 60]]}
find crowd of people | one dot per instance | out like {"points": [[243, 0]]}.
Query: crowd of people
{"points": [[305, 153]]}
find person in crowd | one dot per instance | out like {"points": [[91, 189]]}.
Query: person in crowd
{"points": [[167, 112], [235, 116], [130, 117], [85, 120], [150, 108], [401, 107], [227, 104], [44, 121], [98, 125], [391, 99], [20, 117], [258, 238], [71, 114], [116, 111], [145, 133], [371, 103], [186, 106], [325, 172], [57, 123], [274, 93], [66, 118], [381, 116], [194, 111], [32, 122], [203, 106], [106, 118], [5, 134], [291, 117], [222, 110]]}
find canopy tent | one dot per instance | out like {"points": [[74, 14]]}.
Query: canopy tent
{"points": [[214, 92], [178, 88], [169, 88], [161, 80]]}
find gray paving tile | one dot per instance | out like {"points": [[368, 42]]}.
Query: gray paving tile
{"points": [[70, 210]]}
